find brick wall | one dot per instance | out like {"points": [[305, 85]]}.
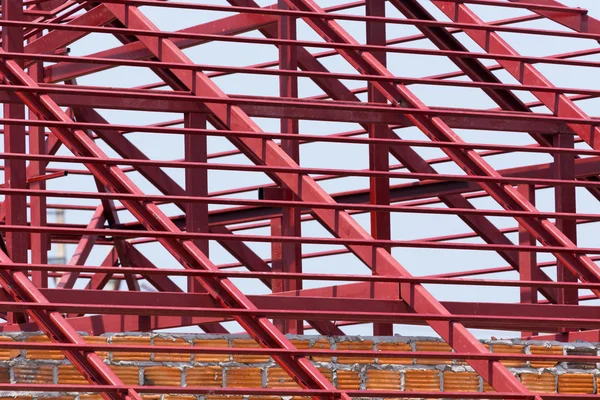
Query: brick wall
{"points": [[258, 371]]}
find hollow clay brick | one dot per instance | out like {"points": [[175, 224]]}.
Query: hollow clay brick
{"points": [[129, 374], [97, 340], [243, 358], [422, 380], [576, 384], [394, 347], [355, 345], [68, 374], [433, 347], [278, 378], [383, 380], [42, 354], [171, 357], [348, 380], [162, 376], [243, 377], [552, 350], [33, 373], [131, 341], [321, 344], [461, 381], [211, 376], [509, 349], [211, 358], [7, 354], [539, 383]]}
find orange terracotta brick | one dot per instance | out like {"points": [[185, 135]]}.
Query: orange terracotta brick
{"points": [[131, 341], [206, 358], [422, 380], [157, 397], [539, 383], [510, 349], [487, 387], [42, 354], [90, 397], [394, 347], [68, 374], [278, 378], [433, 347], [162, 376], [576, 384], [300, 344], [179, 397], [461, 381], [171, 357], [32, 373], [248, 344], [222, 397], [354, 345], [552, 350], [582, 351], [204, 376], [130, 375], [348, 380], [321, 344], [98, 340], [29, 398], [4, 374], [327, 373], [53, 398], [7, 354], [383, 380], [243, 377]]}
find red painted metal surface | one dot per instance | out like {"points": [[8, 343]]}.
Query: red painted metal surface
{"points": [[340, 155]]}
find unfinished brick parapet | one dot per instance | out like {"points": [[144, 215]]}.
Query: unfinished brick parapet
{"points": [[259, 371]]}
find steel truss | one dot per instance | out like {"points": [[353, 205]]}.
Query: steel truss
{"points": [[56, 131]]}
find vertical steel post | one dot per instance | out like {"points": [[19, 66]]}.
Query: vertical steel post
{"points": [[14, 142], [291, 253], [196, 184], [527, 259], [40, 242], [565, 201], [378, 153]]}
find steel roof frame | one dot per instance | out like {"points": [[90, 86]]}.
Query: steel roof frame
{"points": [[391, 294]]}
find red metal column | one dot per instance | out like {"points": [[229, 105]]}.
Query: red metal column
{"points": [[277, 285], [378, 153], [196, 184], [14, 142], [527, 259], [40, 242], [291, 253], [565, 201]]}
